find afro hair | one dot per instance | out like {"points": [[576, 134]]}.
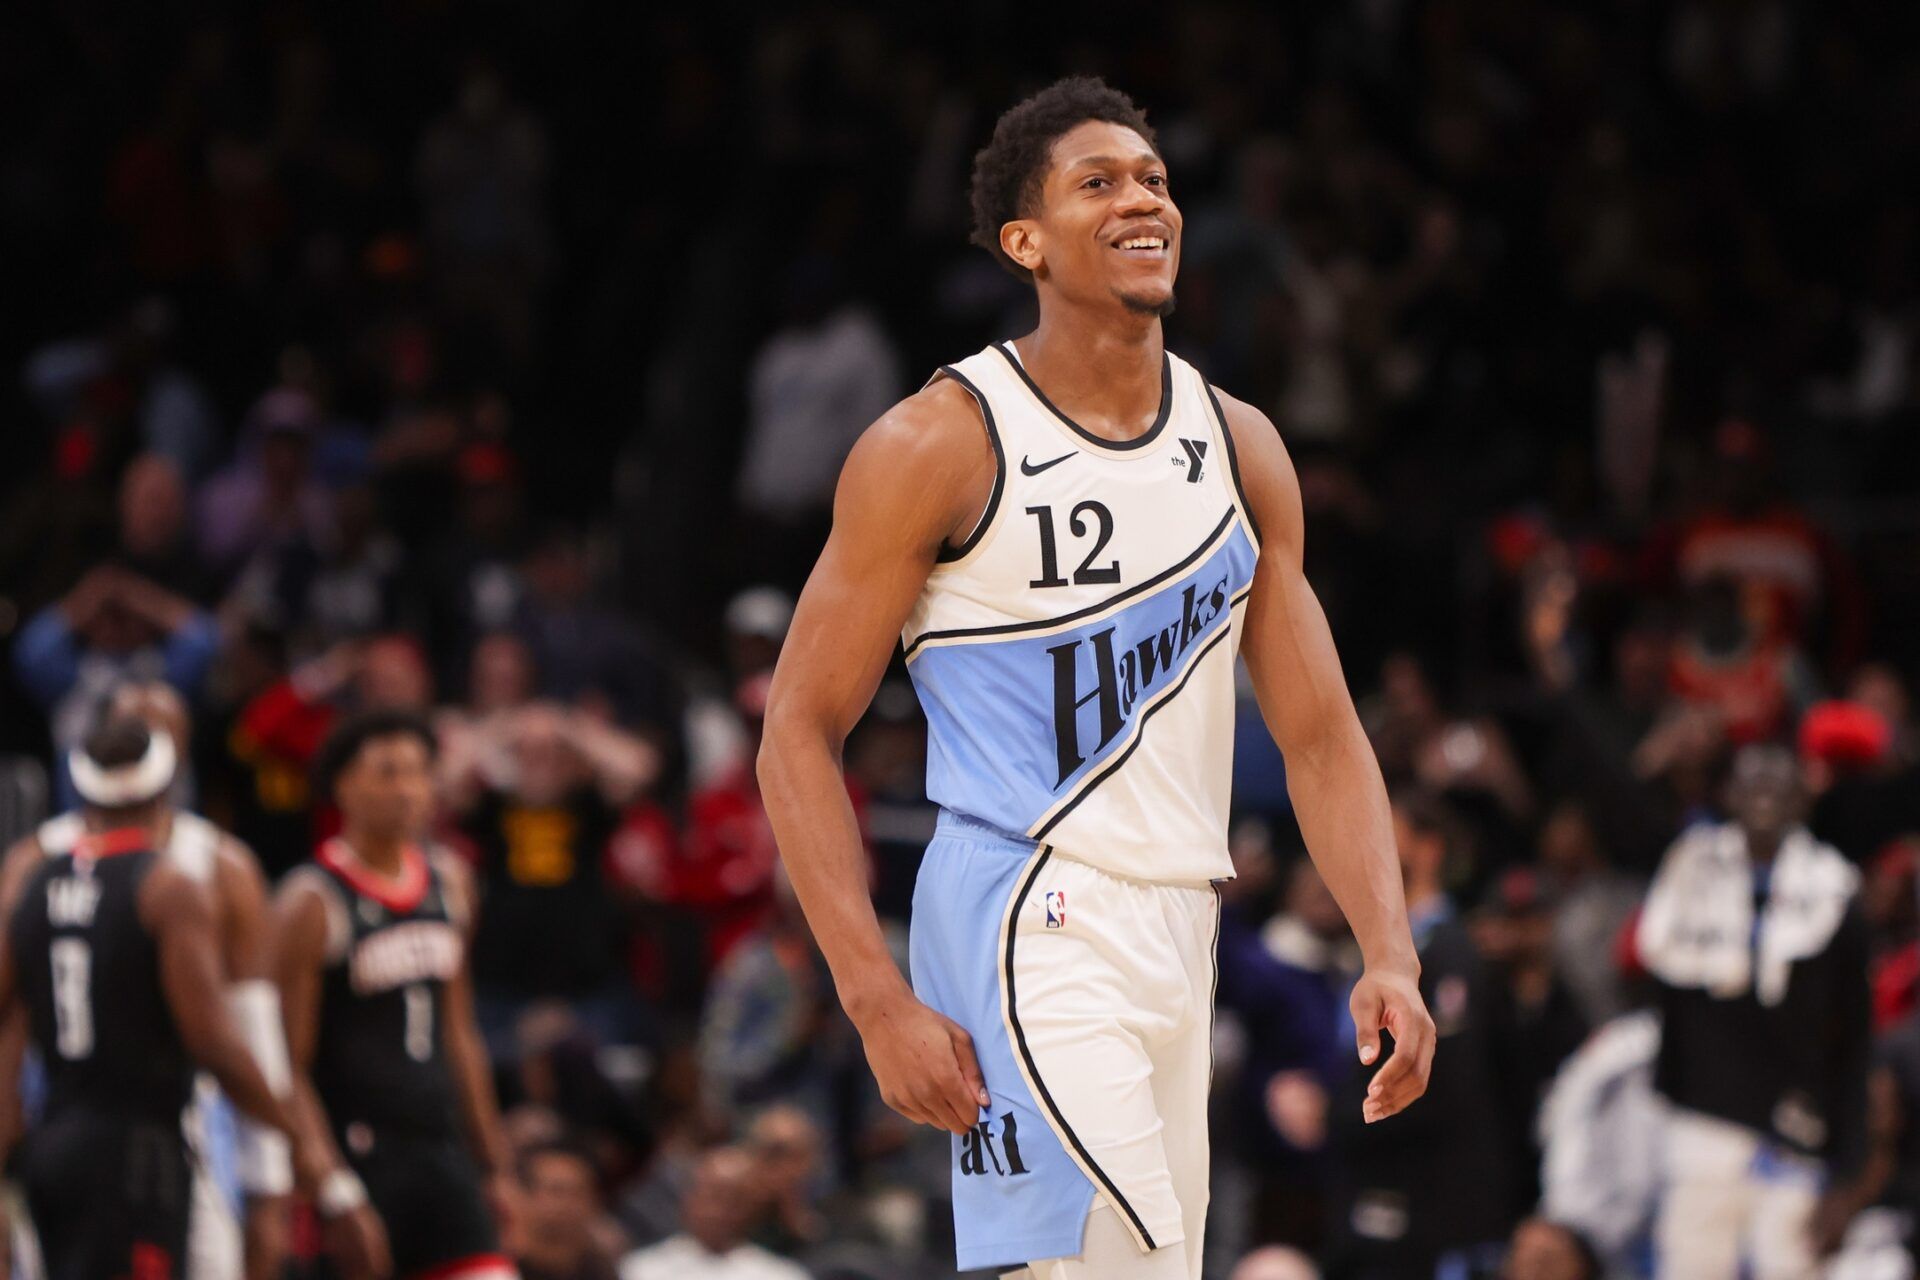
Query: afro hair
{"points": [[1010, 170]]}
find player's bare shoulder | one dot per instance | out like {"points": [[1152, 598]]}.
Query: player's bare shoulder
{"points": [[924, 468]]}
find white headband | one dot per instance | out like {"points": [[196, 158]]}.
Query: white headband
{"points": [[129, 784]]}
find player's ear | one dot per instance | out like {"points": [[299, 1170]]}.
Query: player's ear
{"points": [[1020, 240]]}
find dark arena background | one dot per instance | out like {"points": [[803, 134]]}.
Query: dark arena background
{"points": [[497, 361]]}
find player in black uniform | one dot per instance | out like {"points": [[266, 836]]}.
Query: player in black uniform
{"points": [[391, 1078], [113, 950]]}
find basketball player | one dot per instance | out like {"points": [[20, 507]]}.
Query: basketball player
{"points": [[391, 1081], [227, 869], [1073, 535], [114, 950]]}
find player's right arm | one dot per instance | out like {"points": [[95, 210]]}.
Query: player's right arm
{"points": [[355, 1235], [180, 915], [917, 478]]}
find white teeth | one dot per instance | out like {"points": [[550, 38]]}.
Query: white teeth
{"points": [[1143, 242]]}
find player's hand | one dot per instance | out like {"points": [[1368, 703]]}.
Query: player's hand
{"points": [[357, 1243], [924, 1063], [1390, 1002]]}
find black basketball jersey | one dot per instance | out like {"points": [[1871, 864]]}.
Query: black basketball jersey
{"points": [[89, 972], [379, 1060]]}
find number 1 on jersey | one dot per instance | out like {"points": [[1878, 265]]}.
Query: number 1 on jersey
{"points": [[419, 1032]]}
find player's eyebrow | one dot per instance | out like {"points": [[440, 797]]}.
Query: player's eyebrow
{"points": [[1109, 162]]}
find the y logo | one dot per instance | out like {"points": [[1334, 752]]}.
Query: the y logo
{"points": [[1196, 458]]}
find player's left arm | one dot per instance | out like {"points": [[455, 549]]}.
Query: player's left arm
{"points": [[466, 1051], [1332, 775]]}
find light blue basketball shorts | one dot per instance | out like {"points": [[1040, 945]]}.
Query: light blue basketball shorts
{"points": [[1089, 998]]}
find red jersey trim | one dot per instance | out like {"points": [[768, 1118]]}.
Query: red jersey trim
{"points": [[400, 895], [481, 1266], [96, 845]]}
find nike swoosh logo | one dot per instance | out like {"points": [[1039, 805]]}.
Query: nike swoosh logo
{"points": [[1027, 467]]}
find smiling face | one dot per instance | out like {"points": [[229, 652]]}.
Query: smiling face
{"points": [[1106, 228]]}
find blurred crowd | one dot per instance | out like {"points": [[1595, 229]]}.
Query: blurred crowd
{"points": [[445, 357]]}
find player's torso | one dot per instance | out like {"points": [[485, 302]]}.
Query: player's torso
{"points": [[1075, 655], [392, 950], [90, 975]]}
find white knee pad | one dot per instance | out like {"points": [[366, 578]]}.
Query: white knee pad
{"points": [[1109, 1253]]}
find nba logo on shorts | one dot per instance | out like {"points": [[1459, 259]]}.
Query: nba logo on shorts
{"points": [[1056, 908]]}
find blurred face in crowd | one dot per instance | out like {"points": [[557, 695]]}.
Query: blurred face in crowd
{"points": [[725, 1200], [1545, 1251], [1880, 689], [393, 675], [386, 791], [557, 1208], [546, 766], [501, 674], [1765, 794], [1105, 186], [1568, 848], [153, 506], [1423, 853], [1275, 1262], [787, 1145]]}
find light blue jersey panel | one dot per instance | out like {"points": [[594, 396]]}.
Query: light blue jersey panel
{"points": [[1017, 1195], [1021, 723]]}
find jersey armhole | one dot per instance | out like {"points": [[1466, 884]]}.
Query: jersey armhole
{"points": [[456, 887], [339, 927], [1233, 463], [953, 553]]}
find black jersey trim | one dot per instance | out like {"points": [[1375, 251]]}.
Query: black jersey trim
{"points": [[1207, 544], [1088, 784], [1233, 462], [1141, 441], [951, 553], [1045, 1097]]}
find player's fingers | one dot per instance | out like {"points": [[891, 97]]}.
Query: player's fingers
{"points": [[1367, 1010], [969, 1062]]}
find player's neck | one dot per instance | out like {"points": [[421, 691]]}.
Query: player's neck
{"points": [[382, 855], [1102, 372]]}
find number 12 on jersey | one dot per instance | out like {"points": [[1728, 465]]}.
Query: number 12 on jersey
{"points": [[1086, 574]]}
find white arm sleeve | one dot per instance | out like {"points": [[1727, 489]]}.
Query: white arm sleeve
{"points": [[266, 1160]]}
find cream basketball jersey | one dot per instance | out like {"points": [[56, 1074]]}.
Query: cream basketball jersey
{"points": [[1075, 654]]}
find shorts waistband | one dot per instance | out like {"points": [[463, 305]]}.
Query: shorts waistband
{"points": [[960, 824]]}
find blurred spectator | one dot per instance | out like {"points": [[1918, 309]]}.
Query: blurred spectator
{"points": [[557, 1215], [112, 627], [1592, 903], [1863, 762], [273, 740], [1275, 1262], [482, 177], [1792, 579], [468, 578], [155, 541], [540, 804], [1533, 1020], [755, 624], [268, 501], [1433, 1185], [887, 760], [722, 1206], [128, 369], [814, 386], [1760, 956], [1603, 1129], [791, 1152], [1545, 1250]]}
